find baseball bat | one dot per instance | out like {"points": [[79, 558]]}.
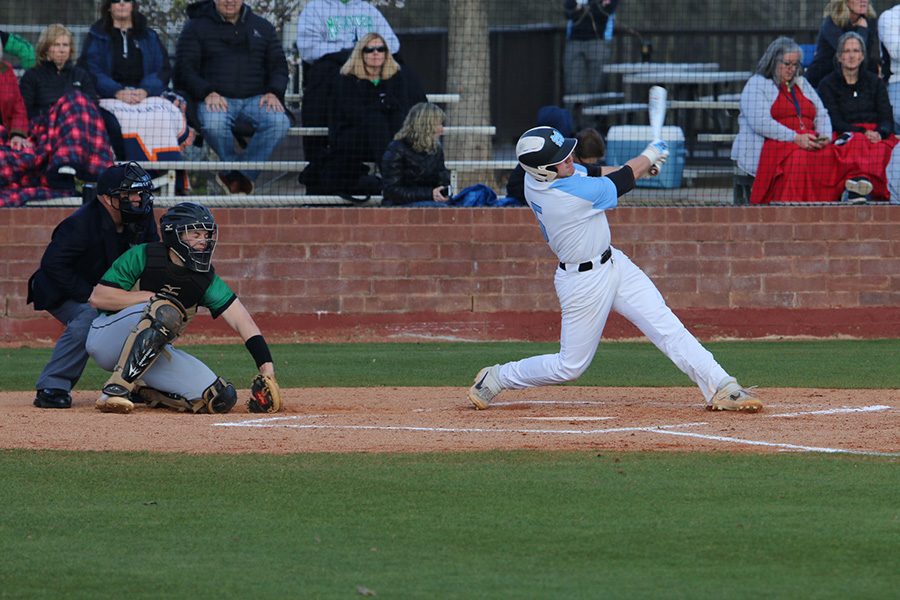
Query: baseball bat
{"points": [[656, 107]]}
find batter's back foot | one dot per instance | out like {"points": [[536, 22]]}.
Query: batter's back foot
{"points": [[486, 386]]}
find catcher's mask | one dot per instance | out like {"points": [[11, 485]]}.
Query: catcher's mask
{"points": [[122, 180], [540, 148], [189, 217]]}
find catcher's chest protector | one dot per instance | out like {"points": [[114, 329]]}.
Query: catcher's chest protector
{"points": [[162, 275]]}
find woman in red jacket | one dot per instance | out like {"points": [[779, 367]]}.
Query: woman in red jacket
{"points": [[13, 118]]}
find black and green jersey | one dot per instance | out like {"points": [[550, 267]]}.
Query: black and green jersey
{"points": [[137, 269]]}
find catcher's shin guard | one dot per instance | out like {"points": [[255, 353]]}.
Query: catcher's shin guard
{"points": [[154, 398], [219, 397], [162, 322]]}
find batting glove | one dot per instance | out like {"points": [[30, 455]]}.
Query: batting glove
{"points": [[655, 150]]}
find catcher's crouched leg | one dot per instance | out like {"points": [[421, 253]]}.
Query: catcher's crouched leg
{"points": [[162, 322], [220, 397]]}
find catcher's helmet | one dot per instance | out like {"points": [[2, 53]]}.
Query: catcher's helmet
{"points": [[189, 216], [124, 179], [542, 147]]}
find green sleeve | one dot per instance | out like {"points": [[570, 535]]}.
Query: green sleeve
{"points": [[127, 269], [218, 296]]}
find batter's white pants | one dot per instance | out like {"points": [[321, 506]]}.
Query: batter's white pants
{"points": [[586, 299]]}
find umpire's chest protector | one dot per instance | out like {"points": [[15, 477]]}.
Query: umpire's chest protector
{"points": [[162, 275]]}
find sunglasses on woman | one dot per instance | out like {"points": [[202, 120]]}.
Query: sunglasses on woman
{"points": [[371, 49]]}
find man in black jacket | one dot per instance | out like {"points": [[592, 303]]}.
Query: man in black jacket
{"points": [[231, 66], [81, 249]]}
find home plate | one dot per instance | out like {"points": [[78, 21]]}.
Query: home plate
{"points": [[568, 418]]}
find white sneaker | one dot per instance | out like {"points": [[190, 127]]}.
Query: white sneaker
{"points": [[485, 388], [860, 187], [733, 396]]}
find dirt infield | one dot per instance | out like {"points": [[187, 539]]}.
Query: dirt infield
{"points": [[439, 419]]}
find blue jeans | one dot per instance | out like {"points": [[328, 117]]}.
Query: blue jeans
{"points": [[69, 355], [894, 96], [269, 129]]}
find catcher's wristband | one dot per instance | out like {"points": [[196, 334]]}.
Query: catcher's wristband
{"points": [[259, 350]]}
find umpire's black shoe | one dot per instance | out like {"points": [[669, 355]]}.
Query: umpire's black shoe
{"points": [[53, 398]]}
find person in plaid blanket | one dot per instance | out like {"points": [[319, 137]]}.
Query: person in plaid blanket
{"points": [[66, 129]]}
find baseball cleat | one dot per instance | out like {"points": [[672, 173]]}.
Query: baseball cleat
{"points": [[732, 396], [114, 399], [114, 404], [485, 388]]}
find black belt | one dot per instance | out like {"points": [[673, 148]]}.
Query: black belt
{"points": [[587, 266]]}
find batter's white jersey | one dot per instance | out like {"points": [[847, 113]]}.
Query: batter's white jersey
{"points": [[572, 213]]}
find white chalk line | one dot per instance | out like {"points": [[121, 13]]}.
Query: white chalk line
{"points": [[723, 438], [554, 402], [274, 422], [835, 411], [567, 418]]}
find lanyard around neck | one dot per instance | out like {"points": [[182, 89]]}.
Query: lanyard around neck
{"points": [[796, 103]]}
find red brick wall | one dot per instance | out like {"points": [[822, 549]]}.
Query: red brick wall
{"points": [[377, 273]]}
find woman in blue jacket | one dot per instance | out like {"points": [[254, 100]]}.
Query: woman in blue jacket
{"points": [[131, 70]]}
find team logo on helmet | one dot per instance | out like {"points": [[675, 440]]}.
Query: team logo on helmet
{"points": [[557, 138]]}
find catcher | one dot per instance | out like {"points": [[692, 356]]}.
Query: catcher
{"points": [[146, 299]]}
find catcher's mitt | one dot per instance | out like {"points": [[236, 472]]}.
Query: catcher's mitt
{"points": [[265, 397]]}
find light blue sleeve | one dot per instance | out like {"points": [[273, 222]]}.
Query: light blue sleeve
{"points": [[599, 191]]}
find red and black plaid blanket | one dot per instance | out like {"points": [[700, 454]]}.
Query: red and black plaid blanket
{"points": [[70, 134]]}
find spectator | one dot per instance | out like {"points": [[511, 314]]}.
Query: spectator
{"points": [[590, 151], [67, 131], [842, 16], [371, 98], [413, 164], [131, 70], [889, 32], [18, 47], [784, 133], [233, 69], [13, 117], [327, 30], [588, 43], [81, 249], [857, 102]]}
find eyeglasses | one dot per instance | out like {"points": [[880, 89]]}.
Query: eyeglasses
{"points": [[371, 49], [790, 65], [119, 1]]}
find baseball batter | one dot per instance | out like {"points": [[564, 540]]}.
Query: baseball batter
{"points": [[594, 278], [147, 297]]}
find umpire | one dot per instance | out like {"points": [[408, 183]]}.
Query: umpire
{"points": [[81, 249]]}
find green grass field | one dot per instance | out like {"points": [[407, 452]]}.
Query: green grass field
{"points": [[460, 525]]}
